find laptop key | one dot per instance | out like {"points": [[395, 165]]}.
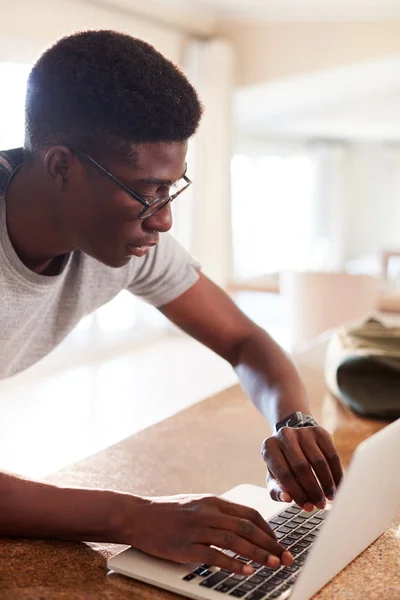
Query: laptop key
{"points": [[314, 512], [245, 587], [284, 529], [189, 577], [283, 575], [294, 510], [296, 549], [288, 540], [277, 520], [266, 572], [307, 526], [255, 565], [266, 587], [314, 521], [227, 572], [256, 595], [280, 534], [299, 519], [239, 577], [226, 585], [238, 593], [311, 537], [303, 530], [286, 514], [214, 580], [293, 568], [202, 572], [274, 595], [295, 535], [321, 515], [255, 579], [291, 525]]}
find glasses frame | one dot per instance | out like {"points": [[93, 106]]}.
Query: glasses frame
{"points": [[157, 203]]}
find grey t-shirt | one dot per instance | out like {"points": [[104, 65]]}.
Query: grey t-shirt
{"points": [[37, 311]]}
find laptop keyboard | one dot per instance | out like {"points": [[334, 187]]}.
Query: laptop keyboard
{"points": [[296, 530]]}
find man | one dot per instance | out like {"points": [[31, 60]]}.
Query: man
{"points": [[84, 213]]}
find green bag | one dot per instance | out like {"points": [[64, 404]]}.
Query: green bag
{"points": [[362, 369]]}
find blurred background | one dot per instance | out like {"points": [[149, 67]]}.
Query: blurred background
{"points": [[295, 209]]}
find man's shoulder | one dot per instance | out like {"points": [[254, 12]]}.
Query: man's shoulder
{"points": [[9, 161]]}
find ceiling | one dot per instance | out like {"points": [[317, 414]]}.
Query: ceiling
{"points": [[360, 101], [295, 9]]}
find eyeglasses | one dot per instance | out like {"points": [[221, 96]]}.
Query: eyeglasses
{"points": [[149, 208]]}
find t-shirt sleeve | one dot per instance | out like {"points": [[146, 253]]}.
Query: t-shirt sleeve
{"points": [[166, 272]]}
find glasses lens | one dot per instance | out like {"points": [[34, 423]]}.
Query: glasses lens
{"points": [[178, 187], [153, 208]]}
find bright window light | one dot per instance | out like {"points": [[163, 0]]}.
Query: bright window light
{"points": [[272, 221], [12, 100]]}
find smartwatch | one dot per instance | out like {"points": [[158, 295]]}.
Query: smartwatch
{"points": [[296, 420]]}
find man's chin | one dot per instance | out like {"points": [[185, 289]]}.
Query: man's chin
{"points": [[114, 262]]}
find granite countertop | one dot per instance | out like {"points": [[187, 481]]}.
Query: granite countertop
{"points": [[222, 450]]}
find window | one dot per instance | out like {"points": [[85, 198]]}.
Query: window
{"points": [[12, 99], [272, 212]]}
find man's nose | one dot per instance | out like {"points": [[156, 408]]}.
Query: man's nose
{"points": [[161, 220]]}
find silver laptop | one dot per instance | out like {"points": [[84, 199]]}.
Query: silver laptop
{"points": [[322, 542]]}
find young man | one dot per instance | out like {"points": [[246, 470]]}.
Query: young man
{"points": [[84, 213]]}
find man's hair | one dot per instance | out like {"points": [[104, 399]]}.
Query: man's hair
{"points": [[104, 91]]}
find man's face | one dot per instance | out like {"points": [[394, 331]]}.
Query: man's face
{"points": [[103, 219]]}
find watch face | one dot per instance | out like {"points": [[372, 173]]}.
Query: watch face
{"points": [[296, 419]]}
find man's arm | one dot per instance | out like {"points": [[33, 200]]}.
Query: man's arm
{"points": [[271, 381], [184, 529], [34, 509]]}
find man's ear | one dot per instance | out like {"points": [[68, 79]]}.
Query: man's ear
{"points": [[59, 161]]}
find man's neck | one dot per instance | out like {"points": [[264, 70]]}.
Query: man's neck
{"points": [[31, 224]]}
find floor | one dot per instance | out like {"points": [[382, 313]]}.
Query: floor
{"points": [[51, 418]]}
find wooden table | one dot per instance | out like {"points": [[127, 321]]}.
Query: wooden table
{"points": [[210, 447]]}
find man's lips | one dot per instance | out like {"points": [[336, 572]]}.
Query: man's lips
{"points": [[140, 251]]}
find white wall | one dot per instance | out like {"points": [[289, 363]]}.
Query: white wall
{"points": [[27, 27], [372, 208], [268, 51], [358, 194]]}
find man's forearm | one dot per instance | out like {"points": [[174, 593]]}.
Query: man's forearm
{"points": [[270, 378], [33, 509]]}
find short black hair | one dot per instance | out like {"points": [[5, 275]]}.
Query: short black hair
{"points": [[102, 91]]}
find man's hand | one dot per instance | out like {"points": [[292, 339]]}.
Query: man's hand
{"points": [[303, 465], [189, 529]]}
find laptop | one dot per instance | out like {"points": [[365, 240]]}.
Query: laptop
{"points": [[322, 542]]}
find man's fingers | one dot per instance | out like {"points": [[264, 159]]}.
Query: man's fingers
{"points": [[245, 513], [211, 556], [277, 462], [300, 467], [319, 464], [276, 490], [226, 539], [328, 449], [247, 530]]}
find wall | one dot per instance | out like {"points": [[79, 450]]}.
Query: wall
{"points": [[268, 51], [358, 196], [26, 27], [372, 216]]}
